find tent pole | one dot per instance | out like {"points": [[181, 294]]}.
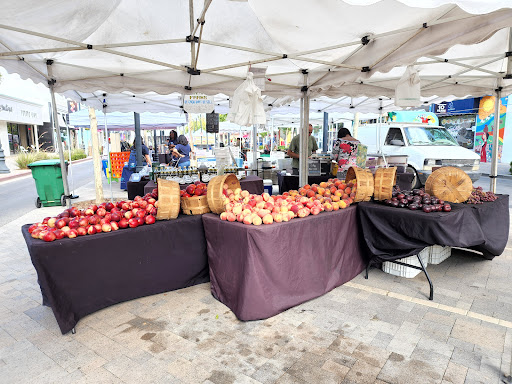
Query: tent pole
{"points": [[495, 138], [325, 136], [138, 141], [56, 127], [255, 149], [98, 185], [304, 135], [473, 67], [108, 152], [72, 196], [509, 64]]}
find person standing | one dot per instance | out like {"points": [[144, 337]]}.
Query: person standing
{"points": [[343, 151], [182, 150], [294, 149]]}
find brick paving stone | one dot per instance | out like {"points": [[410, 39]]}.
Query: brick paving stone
{"points": [[483, 335], [455, 373], [466, 358]]}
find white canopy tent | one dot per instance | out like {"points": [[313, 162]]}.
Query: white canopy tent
{"points": [[329, 47]]}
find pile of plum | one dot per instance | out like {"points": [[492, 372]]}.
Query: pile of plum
{"points": [[417, 199]]}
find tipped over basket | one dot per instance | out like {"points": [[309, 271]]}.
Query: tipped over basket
{"points": [[196, 205], [450, 184], [168, 200], [215, 191], [364, 183], [384, 180]]}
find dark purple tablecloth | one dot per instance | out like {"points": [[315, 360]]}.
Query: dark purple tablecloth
{"points": [[393, 233], [83, 275], [253, 184], [260, 271]]}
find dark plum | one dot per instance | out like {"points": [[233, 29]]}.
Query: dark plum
{"points": [[447, 207]]}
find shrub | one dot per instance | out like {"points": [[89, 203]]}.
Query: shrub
{"points": [[510, 170], [24, 159], [77, 154]]}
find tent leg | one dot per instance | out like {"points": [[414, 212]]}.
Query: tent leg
{"points": [[56, 127], [495, 139], [138, 141], [108, 153], [304, 136]]}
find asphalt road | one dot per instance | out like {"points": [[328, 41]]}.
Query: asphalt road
{"points": [[18, 196]]}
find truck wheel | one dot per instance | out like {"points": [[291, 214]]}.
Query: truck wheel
{"points": [[416, 183], [38, 203]]}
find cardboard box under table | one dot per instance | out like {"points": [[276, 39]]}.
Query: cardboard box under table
{"points": [[260, 271]]}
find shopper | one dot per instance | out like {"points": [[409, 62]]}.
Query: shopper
{"points": [[146, 160], [172, 141], [294, 149], [182, 150], [343, 151]]}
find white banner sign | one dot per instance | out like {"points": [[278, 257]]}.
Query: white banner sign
{"points": [[16, 111], [198, 103]]}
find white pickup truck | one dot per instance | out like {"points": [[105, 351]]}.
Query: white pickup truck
{"points": [[425, 145]]}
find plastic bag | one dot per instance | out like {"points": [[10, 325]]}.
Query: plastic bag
{"points": [[144, 171], [135, 177]]}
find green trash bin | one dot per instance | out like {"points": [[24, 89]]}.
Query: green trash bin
{"points": [[48, 177]]}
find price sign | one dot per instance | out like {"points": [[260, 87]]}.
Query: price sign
{"points": [[198, 103]]}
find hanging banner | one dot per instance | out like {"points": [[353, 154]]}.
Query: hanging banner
{"points": [[198, 103]]}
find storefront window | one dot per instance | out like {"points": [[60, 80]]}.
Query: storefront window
{"points": [[14, 137]]}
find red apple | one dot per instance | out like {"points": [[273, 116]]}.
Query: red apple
{"points": [[133, 223], [115, 217], [94, 207], [123, 223], [109, 206], [126, 206], [150, 219], [143, 204], [91, 230], [51, 222], [114, 225], [32, 227], [59, 234], [82, 231], [104, 221], [106, 227], [97, 227], [101, 212], [49, 236], [140, 220], [72, 233], [89, 212], [191, 189], [108, 216], [141, 213], [65, 229], [135, 204], [45, 220], [83, 222], [128, 215], [35, 233], [151, 201], [94, 219], [73, 224]]}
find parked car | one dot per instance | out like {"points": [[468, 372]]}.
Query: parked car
{"points": [[425, 145]]}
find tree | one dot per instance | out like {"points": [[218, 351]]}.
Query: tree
{"points": [[223, 117]]}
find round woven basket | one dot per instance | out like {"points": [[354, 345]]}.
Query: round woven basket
{"points": [[450, 184], [168, 200], [384, 180], [364, 183], [215, 189], [196, 205]]}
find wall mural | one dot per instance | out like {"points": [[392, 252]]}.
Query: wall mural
{"points": [[485, 126]]}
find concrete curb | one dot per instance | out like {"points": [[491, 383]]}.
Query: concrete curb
{"points": [[499, 176], [29, 172]]}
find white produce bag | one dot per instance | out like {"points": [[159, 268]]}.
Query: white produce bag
{"points": [[247, 105], [408, 91]]}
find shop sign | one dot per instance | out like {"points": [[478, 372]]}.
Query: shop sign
{"points": [[198, 103], [17, 111], [456, 107]]}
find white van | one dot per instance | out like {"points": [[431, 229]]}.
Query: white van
{"points": [[425, 145]]}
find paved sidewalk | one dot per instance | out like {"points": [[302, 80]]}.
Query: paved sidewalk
{"points": [[503, 169], [381, 330]]}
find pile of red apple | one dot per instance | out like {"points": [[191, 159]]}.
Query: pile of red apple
{"points": [[247, 208], [196, 189], [105, 217]]}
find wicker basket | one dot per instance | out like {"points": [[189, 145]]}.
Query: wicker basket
{"points": [[196, 205], [450, 184], [384, 180], [168, 200], [215, 189], [364, 183]]}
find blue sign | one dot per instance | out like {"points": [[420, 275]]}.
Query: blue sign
{"points": [[456, 107]]}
